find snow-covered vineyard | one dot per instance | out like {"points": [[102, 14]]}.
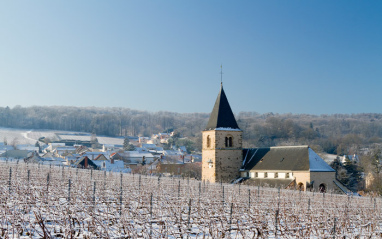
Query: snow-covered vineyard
{"points": [[53, 202]]}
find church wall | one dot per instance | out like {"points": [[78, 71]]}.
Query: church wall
{"points": [[208, 173], [326, 178], [208, 154], [228, 163], [225, 161], [302, 177], [220, 136]]}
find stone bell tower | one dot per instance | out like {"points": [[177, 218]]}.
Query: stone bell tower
{"points": [[222, 152]]}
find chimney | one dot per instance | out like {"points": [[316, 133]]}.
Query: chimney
{"points": [[86, 162]]}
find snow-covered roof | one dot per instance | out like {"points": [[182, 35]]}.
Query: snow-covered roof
{"points": [[84, 137], [317, 164], [66, 148], [110, 140], [57, 144], [284, 158], [27, 147], [172, 152], [227, 129], [117, 166], [56, 161], [149, 146], [136, 154]]}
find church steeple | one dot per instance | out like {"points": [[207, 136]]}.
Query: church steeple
{"points": [[222, 147], [222, 115]]}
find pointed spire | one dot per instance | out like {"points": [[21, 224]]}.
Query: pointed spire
{"points": [[222, 115]]}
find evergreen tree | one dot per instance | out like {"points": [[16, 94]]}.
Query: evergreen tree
{"points": [[354, 172], [130, 148], [349, 173], [126, 143], [127, 146]]}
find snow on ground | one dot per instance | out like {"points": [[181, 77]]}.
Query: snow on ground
{"points": [[36, 201], [329, 158], [15, 136], [23, 136]]}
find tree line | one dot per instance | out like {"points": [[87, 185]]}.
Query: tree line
{"points": [[338, 133]]}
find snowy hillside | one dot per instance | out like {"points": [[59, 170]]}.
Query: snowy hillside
{"points": [[40, 201]]}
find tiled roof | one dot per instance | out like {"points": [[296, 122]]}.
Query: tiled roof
{"points": [[284, 158], [222, 115]]}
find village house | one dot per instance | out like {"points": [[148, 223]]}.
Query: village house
{"points": [[110, 165], [84, 162]]}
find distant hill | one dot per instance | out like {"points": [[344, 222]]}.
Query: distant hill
{"points": [[337, 133]]}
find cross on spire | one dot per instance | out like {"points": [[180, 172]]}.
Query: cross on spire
{"points": [[221, 74]]}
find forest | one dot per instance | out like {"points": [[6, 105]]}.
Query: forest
{"points": [[336, 134]]}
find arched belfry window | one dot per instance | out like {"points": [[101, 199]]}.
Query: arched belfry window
{"points": [[228, 141], [208, 141]]}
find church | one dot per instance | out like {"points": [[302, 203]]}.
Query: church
{"points": [[225, 160]]}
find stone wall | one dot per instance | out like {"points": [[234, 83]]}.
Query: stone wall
{"points": [[325, 178], [219, 162]]}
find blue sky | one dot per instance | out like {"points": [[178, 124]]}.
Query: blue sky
{"points": [[314, 57]]}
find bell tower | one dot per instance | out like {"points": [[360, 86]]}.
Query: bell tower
{"points": [[222, 151]]}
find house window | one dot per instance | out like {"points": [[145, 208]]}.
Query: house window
{"points": [[265, 175], [208, 141], [287, 175], [256, 175], [276, 175], [104, 164]]}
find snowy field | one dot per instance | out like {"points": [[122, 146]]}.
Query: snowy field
{"points": [[22, 136], [57, 202]]}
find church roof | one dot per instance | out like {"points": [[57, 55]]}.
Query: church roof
{"points": [[222, 115], [284, 158]]}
